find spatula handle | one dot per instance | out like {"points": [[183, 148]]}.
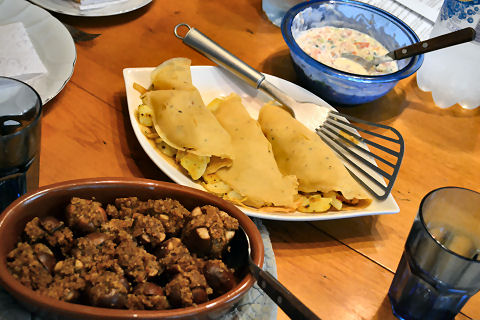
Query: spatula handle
{"points": [[228, 61], [293, 307], [440, 42], [219, 55]]}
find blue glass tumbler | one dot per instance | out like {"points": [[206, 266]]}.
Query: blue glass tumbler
{"points": [[20, 114], [440, 267]]}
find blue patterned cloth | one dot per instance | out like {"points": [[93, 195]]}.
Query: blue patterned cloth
{"points": [[255, 305]]}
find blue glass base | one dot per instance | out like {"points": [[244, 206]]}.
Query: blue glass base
{"points": [[10, 189]]}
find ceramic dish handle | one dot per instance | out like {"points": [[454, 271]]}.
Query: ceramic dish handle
{"points": [[440, 42]]}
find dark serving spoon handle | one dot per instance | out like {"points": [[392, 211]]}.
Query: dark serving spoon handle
{"points": [[293, 307], [440, 42]]}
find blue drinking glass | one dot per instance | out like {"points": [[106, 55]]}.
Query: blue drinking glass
{"points": [[20, 114], [440, 267]]}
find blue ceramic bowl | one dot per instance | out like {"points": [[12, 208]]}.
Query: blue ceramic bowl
{"points": [[339, 87]]}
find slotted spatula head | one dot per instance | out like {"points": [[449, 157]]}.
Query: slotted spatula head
{"points": [[360, 153]]}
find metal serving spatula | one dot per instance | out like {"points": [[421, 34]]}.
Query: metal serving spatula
{"points": [[333, 127], [440, 42]]}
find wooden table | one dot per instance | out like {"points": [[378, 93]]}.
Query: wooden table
{"points": [[341, 269]]}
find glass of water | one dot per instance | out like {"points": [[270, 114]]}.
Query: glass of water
{"points": [[440, 266], [20, 114], [276, 9]]}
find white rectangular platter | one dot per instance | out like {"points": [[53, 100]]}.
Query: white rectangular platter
{"points": [[214, 82]]}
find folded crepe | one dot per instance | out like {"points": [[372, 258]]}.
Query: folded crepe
{"points": [[254, 174], [173, 74], [301, 152], [187, 130], [181, 120]]}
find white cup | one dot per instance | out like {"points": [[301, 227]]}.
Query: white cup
{"points": [[276, 9]]}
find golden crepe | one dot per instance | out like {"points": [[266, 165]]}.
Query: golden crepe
{"points": [[254, 174], [182, 120], [184, 128], [301, 152], [173, 74]]}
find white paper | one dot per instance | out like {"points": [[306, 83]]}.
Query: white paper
{"points": [[426, 8], [18, 57], [415, 13], [95, 4]]}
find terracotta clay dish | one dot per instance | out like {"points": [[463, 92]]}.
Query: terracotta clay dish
{"points": [[52, 199]]}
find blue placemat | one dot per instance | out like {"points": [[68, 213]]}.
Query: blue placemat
{"points": [[255, 305]]}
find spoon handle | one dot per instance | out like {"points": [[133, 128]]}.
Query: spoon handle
{"points": [[293, 307], [440, 42]]}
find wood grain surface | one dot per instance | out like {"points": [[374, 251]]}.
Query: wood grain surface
{"points": [[341, 269]]}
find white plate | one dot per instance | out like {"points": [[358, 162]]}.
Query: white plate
{"points": [[51, 40], [69, 8], [214, 82]]}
